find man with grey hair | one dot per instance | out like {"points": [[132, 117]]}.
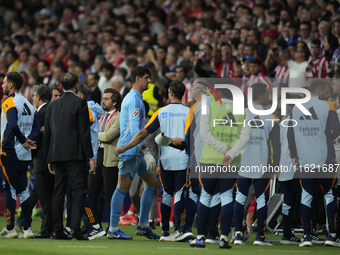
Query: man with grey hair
{"points": [[323, 29], [44, 185], [117, 83], [98, 62]]}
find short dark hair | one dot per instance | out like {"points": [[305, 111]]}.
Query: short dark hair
{"points": [[255, 61], [132, 62], [46, 63], [44, 92], [57, 88], [108, 66], [178, 88], [316, 41], [95, 76], [14, 54], [122, 70], [69, 80], [183, 67], [252, 46], [83, 90], [259, 89], [115, 97], [140, 72], [15, 78], [307, 23]]}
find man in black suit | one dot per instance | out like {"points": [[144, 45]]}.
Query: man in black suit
{"points": [[67, 147], [42, 95]]}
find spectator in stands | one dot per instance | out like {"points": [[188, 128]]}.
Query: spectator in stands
{"points": [[105, 80], [92, 84], [299, 71], [319, 64], [257, 76], [43, 71], [305, 33], [323, 29], [254, 36], [57, 73], [23, 61], [117, 82]]}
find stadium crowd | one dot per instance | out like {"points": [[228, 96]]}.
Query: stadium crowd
{"points": [[138, 62]]}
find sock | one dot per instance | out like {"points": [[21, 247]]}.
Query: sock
{"points": [[26, 213], [202, 219], [306, 218], [113, 229], [286, 224], [179, 208], [226, 217], [261, 218], [165, 212], [89, 211], [131, 210], [224, 237], [214, 212], [238, 215], [331, 215], [96, 226], [190, 207], [116, 206], [10, 209], [145, 204], [143, 225]]}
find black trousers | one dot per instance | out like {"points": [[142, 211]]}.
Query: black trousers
{"points": [[75, 172], [107, 176], [45, 188]]}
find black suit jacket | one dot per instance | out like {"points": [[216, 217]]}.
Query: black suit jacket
{"points": [[39, 160], [67, 130]]}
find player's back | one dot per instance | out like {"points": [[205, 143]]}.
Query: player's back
{"points": [[311, 132], [25, 119], [257, 153], [172, 120]]}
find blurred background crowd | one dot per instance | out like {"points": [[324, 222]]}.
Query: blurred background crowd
{"points": [[102, 41]]}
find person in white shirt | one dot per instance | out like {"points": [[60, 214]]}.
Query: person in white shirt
{"points": [[105, 80], [299, 71]]}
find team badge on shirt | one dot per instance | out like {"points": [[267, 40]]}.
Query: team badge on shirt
{"points": [[135, 113]]}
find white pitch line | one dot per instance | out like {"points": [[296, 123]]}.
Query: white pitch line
{"points": [[173, 248], [102, 247], [285, 251]]}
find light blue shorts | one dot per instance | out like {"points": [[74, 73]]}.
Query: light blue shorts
{"points": [[133, 166]]}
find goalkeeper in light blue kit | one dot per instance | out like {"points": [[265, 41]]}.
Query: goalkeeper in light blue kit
{"points": [[136, 160]]}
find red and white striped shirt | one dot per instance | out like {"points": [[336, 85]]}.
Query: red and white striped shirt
{"points": [[281, 75], [225, 69], [259, 78], [320, 66], [118, 59], [187, 97]]}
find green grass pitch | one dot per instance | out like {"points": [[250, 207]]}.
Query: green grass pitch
{"points": [[141, 245]]}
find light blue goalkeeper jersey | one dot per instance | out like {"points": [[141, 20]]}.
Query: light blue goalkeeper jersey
{"points": [[132, 120]]}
